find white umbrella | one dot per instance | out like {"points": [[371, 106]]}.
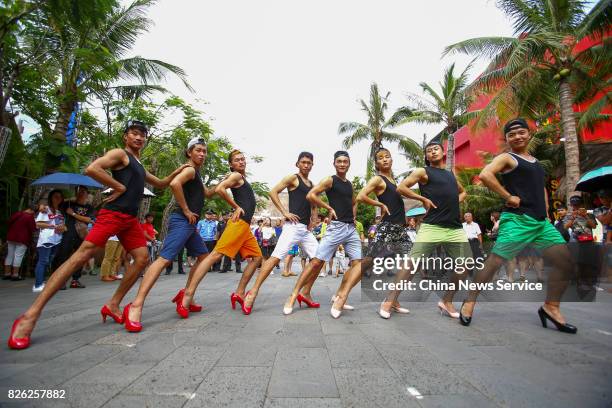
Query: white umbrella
{"points": [[145, 193]]}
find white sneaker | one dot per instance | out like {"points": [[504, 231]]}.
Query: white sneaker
{"points": [[38, 288], [120, 276], [322, 274]]}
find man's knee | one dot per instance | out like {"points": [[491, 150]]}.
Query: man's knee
{"points": [[141, 259]]}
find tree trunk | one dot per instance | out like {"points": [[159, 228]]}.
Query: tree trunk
{"points": [[450, 152], [568, 124], [63, 118], [165, 217], [5, 140]]}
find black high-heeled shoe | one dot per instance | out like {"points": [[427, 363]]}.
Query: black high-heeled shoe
{"points": [[565, 328], [464, 320]]}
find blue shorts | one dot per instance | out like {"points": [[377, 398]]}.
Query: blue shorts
{"points": [[181, 234]]}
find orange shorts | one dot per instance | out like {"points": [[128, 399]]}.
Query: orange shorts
{"points": [[237, 237]]}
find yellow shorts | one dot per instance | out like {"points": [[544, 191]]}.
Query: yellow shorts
{"points": [[237, 237]]}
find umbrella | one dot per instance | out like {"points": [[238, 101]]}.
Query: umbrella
{"points": [[145, 193], [413, 212], [67, 180], [595, 179]]}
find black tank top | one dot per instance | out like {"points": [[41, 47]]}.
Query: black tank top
{"points": [[298, 204], [193, 190], [340, 197], [526, 181], [132, 177], [442, 190], [245, 198], [393, 200]]}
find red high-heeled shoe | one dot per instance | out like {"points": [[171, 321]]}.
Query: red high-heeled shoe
{"points": [[236, 298], [18, 343], [180, 309], [133, 327], [193, 307], [105, 312], [247, 310], [309, 303]]}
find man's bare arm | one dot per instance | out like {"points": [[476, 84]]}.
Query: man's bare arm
{"points": [[112, 160], [286, 182], [316, 191]]}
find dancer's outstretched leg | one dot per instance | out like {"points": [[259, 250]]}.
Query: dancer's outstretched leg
{"points": [[28, 320], [309, 273], [141, 260], [198, 274]]}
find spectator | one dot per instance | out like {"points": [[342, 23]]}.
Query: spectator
{"points": [[149, 233], [207, 228], [474, 236], [77, 214], [559, 224], [268, 238], [278, 230], [372, 229], [360, 230], [21, 226], [113, 252], [50, 222]]}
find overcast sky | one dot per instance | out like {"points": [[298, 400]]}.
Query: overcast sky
{"points": [[279, 76]]}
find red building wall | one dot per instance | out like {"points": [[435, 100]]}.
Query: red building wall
{"points": [[472, 146]]}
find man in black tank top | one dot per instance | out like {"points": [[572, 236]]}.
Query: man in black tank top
{"points": [[440, 193], [340, 231], [127, 183], [524, 221], [189, 195], [392, 233], [237, 236], [299, 222]]}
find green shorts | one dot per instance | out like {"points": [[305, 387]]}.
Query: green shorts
{"points": [[453, 240], [517, 231]]}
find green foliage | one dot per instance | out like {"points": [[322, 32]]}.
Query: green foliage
{"points": [[376, 131], [365, 213]]}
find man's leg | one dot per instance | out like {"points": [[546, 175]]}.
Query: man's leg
{"points": [[558, 279], [288, 264], [148, 280], [351, 277], [263, 274], [311, 271], [179, 260], [247, 274], [491, 265], [132, 273], [198, 274], [55, 282]]}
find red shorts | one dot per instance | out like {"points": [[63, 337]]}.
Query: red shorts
{"points": [[125, 226]]}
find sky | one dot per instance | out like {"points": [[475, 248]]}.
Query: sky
{"points": [[276, 77]]}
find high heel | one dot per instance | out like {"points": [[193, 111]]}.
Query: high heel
{"points": [[464, 320], [133, 327], [400, 310], [444, 311], [180, 309], [105, 312], [236, 298], [193, 307], [247, 310], [309, 303], [18, 343], [383, 313], [346, 305], [562, 327]]}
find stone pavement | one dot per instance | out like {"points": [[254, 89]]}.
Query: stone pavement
{"points": [[221, 358]]}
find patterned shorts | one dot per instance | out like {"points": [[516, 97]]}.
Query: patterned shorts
{"points": [[390, 239]]}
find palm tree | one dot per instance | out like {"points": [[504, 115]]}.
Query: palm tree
{"points": [[90, 58], [544, 49], [448, 107], [375, 131]]}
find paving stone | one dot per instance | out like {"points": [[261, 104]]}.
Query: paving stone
{"points": [[303, 403], [147, 401], [232, 387], [302, 373], [372, 387]]}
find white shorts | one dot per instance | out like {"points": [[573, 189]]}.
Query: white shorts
{"points": [[15, 254], [339, 233], [295, 233]]}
